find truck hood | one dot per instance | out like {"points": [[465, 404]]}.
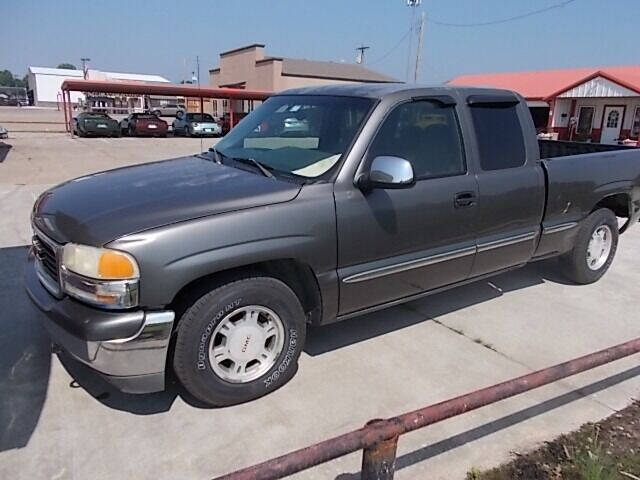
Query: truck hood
{"points": [[101, 207]]}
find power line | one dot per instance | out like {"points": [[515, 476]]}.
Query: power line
{"points": [[502, 20], [393, 49]]}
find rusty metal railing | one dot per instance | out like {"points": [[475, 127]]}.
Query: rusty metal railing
{"points": [[379, 438]]}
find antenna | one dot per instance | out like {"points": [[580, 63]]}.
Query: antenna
{"points": [[360, 56]]}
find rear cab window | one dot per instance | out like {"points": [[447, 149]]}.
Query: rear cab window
{"points": [[498, 130]]}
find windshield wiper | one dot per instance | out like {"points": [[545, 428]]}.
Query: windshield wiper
{"points": [[216, 155], [251, 161], [257, 164]]}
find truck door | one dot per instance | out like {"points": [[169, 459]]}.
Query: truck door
{"points": [[510, 182], [397, 243]]}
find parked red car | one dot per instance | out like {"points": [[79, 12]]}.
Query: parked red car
{"points": [[225, 121], [147, 124]]}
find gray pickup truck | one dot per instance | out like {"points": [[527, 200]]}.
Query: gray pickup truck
{"points": [[213, 265]]}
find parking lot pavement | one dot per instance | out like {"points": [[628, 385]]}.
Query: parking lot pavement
{"points": [[57, 420], [39, 161]]}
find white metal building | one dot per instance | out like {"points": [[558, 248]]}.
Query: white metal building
{"points": [[45, 82]]}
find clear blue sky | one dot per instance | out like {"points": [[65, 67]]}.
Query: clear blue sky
{"points": [[160, 36]]}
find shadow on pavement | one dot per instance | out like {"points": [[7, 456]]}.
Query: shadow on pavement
{"points": [[455, 441], [4, 150], [25, 364], [147, 404], [25, 355], [338, 335]]}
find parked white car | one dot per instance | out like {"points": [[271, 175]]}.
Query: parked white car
{"points": [[194, 124]]}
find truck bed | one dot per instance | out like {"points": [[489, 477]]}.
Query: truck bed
{"points": [[555, 148]]}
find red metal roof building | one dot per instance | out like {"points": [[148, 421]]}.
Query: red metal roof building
{"points": [[589, 104]]}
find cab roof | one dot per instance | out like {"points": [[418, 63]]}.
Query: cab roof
{"points": [[379, 91]]}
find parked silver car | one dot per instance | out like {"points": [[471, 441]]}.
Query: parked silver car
{"points": [[192, 124], [168, 110]]}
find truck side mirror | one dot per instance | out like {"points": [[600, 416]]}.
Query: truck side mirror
{"points": [[389, 173]]}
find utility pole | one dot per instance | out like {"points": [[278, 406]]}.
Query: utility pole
{"points": [[198, 67], [201, 100], [360, 56], [85, 70], [413, 4], [419, 49]]}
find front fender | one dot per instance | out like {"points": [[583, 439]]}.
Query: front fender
{"points": [[173, 256]]}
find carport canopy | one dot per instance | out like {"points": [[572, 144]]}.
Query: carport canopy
{"points": [[152, 88]]}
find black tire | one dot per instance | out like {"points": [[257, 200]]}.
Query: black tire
{"points": [[574, 263], [191, 355]]}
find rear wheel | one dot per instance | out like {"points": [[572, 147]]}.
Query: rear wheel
{"points": [[595, 248], [240, 341]]}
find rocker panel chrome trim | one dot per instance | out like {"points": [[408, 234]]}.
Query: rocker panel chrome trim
{"points": [[505, 242], [559, 228], [409, 265]]}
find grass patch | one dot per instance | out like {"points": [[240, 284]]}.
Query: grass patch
{"points": [[607, 450]]}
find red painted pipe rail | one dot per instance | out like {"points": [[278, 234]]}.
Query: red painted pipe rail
{"points": [[379, 438]]}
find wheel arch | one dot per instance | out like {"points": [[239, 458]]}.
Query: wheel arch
{"points": [[297, 275], [621, 204]]}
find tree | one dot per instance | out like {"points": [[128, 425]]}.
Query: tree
{"points": [[67, 66], [7, 79]]}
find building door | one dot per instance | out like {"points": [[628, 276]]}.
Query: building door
{"points": [[611, 124]]}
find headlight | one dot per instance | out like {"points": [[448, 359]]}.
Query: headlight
{"points": [[99, 263], [102, 277]]}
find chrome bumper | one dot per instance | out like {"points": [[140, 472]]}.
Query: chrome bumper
{"points": [[134, 361]]}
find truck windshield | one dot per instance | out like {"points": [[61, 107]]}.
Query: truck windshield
{"points": [[300, 134]]}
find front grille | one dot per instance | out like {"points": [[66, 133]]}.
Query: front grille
{"points": [[46, 255]]}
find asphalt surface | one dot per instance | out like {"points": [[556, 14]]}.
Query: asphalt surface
{"points": [[59, 421]]}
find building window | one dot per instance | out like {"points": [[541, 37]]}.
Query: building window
{"points": [[635, 126], [585, 120], [612, 119]]}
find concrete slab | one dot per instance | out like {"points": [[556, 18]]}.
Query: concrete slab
{"points": [[58, 420]]}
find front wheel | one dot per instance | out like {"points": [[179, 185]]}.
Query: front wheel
{"points": [[240, 341], [595, 248]]}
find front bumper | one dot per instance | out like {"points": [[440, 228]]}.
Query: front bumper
{"points": [[127, 348]]}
